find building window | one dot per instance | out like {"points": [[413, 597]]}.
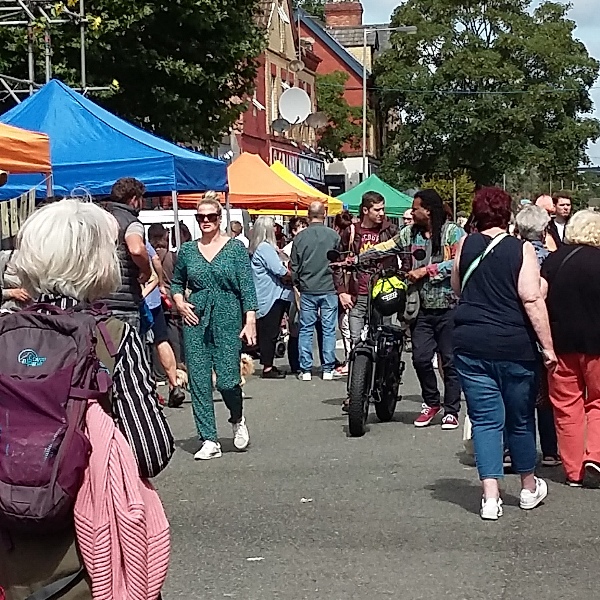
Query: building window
{"points": [[274, 100]]}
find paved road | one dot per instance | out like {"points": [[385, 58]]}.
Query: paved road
{"points": [[391, 515]]}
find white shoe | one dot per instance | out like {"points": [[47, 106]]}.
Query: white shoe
{"points": [[529, 500], [491, 509], [331, 375], [209, 450], [241, 437], [304, 376]]}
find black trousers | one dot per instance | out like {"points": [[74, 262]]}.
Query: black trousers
{"points": [[268, 328], [431, 333]]}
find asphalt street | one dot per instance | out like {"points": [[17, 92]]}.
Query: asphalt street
{"points": [[309, 513]]}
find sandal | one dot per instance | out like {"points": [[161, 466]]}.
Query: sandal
{"points": [[551, 461]]}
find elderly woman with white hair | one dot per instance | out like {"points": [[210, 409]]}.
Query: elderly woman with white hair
{"points": [[274, 295], [573, 276], [532, 225], [67, 257]]}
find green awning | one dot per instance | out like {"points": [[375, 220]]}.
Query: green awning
{"points": [[396, 203]]}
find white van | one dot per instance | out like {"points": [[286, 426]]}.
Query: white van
{"points": [[188, 216]]}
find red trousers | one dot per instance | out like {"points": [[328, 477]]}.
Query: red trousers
{"points": [[575, 395]]}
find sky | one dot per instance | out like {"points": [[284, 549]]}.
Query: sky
{"points": [[586, 13]]}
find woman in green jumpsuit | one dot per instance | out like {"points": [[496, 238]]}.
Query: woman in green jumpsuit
{"points": [[219, 313]]}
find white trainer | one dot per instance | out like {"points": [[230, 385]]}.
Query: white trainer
{"points": [[529, 500], [209, 450], [241, 436], [331, 376], [491, 509], [305, 376]]}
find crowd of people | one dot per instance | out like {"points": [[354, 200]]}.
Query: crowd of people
{"points": [[506, 304]]}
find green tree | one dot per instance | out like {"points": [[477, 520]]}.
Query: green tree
{"points": [[183, 68], [465, 188], [344, 126], [315, 8], [489, 87]]}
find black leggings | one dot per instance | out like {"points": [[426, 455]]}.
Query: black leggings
{"points": [[268, 332]]}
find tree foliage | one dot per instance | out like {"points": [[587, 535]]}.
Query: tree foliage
{"points": [[488, 87], [465, 188], [344, 127], [178, 64], [315, 8]]}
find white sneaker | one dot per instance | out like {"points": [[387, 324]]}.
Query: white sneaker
{"points": [[491, 509], [209, 450], [241, 437], [529, 500], [331, 375], [305, 376]]}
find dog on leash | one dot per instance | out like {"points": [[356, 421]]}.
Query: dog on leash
{"points": [[246, 370]]}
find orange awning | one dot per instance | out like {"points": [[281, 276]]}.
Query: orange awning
{"points": [[252, 184], [23, 151]]}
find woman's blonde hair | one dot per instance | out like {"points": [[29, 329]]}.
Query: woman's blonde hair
{"points": [[211, 199], [584, 228], [263, 231], [69, 248]]}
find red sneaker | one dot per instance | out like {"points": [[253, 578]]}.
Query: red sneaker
{"points": [[427, 415]]}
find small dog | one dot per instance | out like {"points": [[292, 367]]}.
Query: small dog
{"points": [[246, 370]]}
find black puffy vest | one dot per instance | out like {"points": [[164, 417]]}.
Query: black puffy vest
{"points": [[129, 295]]}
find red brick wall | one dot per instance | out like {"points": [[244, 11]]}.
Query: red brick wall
{"points": [[254, 136], [343, 14]]}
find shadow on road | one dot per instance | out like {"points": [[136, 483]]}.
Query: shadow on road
{"points": [[463, 493]]}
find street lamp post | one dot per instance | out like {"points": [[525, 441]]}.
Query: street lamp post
{"points": [[410, 30]]}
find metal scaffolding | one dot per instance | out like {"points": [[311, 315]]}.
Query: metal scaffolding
{"points": [[32, 14]]}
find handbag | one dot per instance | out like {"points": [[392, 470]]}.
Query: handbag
{"points": [[473, 266]]}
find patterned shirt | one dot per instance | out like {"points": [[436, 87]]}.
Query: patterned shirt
{"points": [[436, 289]]}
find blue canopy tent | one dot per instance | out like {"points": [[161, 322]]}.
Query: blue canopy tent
{"points": [[91, 148]]}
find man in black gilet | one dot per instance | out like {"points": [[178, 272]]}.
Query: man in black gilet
{"points": [[125, 202]]}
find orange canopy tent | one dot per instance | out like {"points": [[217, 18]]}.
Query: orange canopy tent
{"points": [[252, 184], [23, 151]]}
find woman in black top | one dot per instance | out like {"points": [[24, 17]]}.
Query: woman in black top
{"points": [[500, 315], [573, 275]]}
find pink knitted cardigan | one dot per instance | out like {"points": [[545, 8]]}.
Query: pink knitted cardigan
{"points": [[122, 529]]}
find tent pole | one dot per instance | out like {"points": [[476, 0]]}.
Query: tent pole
{"points": [[176, 219], [49, 186], [228, 212]]}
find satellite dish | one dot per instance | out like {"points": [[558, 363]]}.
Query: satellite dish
{"points": [[295, 105], [296, 66], [317, 120], [280, 125]]}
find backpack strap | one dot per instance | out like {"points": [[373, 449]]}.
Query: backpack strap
{"points": [[497, 239], [109, 335], [58, 588]]}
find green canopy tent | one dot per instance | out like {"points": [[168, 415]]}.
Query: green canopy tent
{"points": [[396, 203]]}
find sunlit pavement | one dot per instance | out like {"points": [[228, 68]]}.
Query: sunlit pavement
{"points": [[309, 513]]}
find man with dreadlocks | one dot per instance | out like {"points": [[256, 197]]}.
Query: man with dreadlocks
{"points": [[431, 330]]}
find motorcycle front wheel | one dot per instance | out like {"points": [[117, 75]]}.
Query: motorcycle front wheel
{"points": [[390, 388], [359, 390]]}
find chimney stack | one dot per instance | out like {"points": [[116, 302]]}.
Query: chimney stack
{"points": [[343, 13]]}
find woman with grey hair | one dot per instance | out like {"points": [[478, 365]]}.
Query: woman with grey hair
{"points": [[274, 295], [532, 225], [51, 245]]}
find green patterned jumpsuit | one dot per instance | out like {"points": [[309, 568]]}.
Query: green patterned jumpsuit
{"points": [[222, 291]]}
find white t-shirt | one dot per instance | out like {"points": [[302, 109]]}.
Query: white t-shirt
{"points": [[561, 229], [243, 239]]}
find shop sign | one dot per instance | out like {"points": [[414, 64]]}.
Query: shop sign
{"points": [[312, 169]]}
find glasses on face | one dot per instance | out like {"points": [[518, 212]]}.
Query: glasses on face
{"points": [[210, 217]]}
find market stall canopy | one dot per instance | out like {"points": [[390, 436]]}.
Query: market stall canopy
{"points": [[253, 185], [23, 151], [334, 206], [396, 203], [91, 148]]}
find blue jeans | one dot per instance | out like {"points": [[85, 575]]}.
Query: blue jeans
{"points": [[501, 399], [311, 306]]}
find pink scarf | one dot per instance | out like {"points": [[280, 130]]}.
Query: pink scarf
{"points": [[122, 530]]}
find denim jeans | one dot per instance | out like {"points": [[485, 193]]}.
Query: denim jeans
{"points": [[501, 399], [431, 333], [311, 306]]}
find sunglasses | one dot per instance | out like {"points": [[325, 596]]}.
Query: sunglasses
{"points": [[210, 217]]}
